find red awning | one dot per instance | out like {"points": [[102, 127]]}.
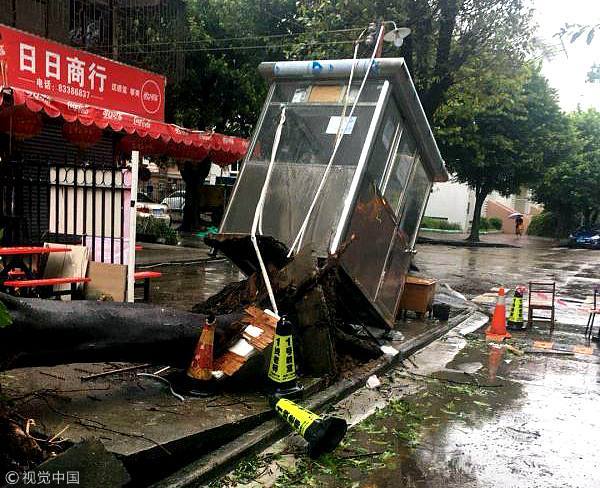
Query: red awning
{"points": [[147, 136]]}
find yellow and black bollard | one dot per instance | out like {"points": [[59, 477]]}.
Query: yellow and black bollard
{"points": [[282, 367], [323, 434], [515, 319]]}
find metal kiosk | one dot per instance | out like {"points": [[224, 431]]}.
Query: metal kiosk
{"points": [[378, 182]]}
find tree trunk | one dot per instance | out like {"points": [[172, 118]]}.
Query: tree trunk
{"points": [[479, 199], [434, 96], [194, 173], [587, 218], [49, 332]]}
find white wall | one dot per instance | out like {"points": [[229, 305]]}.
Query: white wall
{"points": [[216, 170], [521, 202], [452, 201]]}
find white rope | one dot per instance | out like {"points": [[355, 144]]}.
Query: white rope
{"points": [[259, 210], [297, 243]]}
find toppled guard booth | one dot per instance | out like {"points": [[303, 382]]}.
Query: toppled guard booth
{"points": [[378, 184]]}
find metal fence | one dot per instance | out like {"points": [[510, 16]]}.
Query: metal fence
{"points": [[67, 202], [158, 189]]}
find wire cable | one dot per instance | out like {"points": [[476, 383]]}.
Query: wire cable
{"points": [[229, 39], [236, 48], [259, 209]]}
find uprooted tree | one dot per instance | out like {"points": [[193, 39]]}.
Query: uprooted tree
{"points": [[39, 332]]}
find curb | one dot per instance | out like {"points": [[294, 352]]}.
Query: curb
{"points": [[430, 230], [154, 264], [257, 439], [462, 243]]}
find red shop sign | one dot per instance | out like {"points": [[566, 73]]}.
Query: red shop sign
{"points": [[36, 64]]}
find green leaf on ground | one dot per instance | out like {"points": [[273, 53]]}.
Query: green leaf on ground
{"points": [[5, 318]]}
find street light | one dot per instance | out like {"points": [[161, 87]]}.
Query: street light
{"points": [[397, 35]]}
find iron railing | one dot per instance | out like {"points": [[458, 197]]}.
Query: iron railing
{"points": [[66, 202]]}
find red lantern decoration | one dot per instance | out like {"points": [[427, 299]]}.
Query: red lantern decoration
{"points": [[82, 136], [20, 122]]}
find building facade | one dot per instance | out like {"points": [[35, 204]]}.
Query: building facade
{"points": [[132, 31], [454, 202]]}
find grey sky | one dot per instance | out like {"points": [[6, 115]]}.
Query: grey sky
{"points": [[568, 74]]}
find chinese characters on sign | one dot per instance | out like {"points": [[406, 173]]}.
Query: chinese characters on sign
{"points": [[79, 78], [36, 64]]}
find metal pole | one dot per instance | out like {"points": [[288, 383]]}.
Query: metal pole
{"points": [[135, 161]]}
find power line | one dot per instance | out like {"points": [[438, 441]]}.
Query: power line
{"points": [[235, 48], [228, 39]]}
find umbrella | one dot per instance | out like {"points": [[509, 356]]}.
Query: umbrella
{"points": [[514, 215]]}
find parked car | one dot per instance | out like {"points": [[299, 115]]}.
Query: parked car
{"points": [[175, 201], [146, 207], [589, 238], [213, 199]]}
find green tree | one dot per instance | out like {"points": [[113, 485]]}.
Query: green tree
{"points": [[499, 131], [222, 89], [576, 31], [446, 35], [570, 189]]}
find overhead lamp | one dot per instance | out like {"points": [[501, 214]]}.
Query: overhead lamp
{"points": [[397, 36]]}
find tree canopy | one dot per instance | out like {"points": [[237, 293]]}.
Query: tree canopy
{"points": [[495, 117], [570, 189], [500, 130]]}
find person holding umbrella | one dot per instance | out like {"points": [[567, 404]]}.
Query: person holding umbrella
{"points": [[518, 223]]}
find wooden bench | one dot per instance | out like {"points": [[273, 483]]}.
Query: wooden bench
{"points": [[43, 282], [146, 276]]}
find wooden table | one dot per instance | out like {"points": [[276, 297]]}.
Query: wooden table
{"points": [[417, 295]]}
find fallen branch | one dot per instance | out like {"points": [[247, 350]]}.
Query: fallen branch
{"points": [[95, 424], [526, 432], [114, 371], [364, 454]]}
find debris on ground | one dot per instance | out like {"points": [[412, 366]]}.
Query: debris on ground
{"points": [[373, 382]]}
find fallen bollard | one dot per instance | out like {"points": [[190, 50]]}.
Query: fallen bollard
{"points": [[323, 434]]}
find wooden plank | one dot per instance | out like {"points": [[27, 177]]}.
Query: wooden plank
{"points": [[108, 281]]}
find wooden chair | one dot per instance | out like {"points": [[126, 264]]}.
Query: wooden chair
{"points": [[541, 297], [593, 312]]}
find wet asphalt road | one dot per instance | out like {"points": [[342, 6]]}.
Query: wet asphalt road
{"points": [[469, 270], [511, 420], [475, 270]]}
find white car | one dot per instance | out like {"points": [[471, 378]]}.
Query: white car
{"points": [[146, 207], [175, 201]]}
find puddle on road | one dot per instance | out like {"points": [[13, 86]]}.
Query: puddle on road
{"points": [[516, 421], [184, 285]]}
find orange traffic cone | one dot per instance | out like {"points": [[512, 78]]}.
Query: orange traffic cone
{"points": [[202, 363], [497, 329]]}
